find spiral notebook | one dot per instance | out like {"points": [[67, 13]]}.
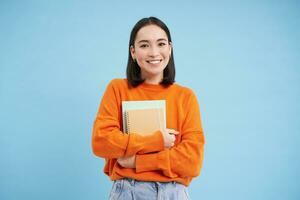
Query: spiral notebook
{"points": [[145, 121], [143, 117]]}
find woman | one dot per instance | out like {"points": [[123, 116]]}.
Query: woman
{"points": [[160, 165]]}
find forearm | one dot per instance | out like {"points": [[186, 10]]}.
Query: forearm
{"points": [[183, 160], [110, 142]]}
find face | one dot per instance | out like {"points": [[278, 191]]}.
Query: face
{"points": [[152, 51]]}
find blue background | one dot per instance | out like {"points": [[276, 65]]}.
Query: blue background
{"points": [[240, 57]]}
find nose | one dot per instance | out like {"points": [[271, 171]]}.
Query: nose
{"points": [[153, 51]]}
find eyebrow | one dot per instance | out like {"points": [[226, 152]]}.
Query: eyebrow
{"points": [[160, 39]]}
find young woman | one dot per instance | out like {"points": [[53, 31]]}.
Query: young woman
{"points": [[160, 165]]}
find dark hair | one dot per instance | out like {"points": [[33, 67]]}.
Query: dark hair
{"points": [[133, 70]]}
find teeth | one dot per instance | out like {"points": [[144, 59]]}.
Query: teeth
{"points": [[154, 61]]}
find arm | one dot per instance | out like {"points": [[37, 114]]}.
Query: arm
{"points": [[107, 139], [184, 159], [169, 137]]}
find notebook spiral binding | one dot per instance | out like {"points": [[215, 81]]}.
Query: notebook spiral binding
{"points": [[127, 126]]}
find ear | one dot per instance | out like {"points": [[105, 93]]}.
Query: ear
{"points": [[171, 48], [132, 52]]}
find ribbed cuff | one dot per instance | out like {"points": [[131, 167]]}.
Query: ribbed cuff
{"points": [[141, 144], [146, 162], [151, 143], [151, 162]]}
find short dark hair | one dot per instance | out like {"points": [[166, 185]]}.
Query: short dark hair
{"points": [[133, 70]]}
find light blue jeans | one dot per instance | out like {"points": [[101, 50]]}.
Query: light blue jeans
{"points": [[130, 189]]}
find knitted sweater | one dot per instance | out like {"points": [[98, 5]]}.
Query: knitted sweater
{"points": [[154, 162]]}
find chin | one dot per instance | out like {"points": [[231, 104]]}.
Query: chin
{"points": [[152, 72], [156, 70]]}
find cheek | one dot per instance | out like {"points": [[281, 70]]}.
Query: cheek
{"points": [[167, 56], [140, 55], [166, 53]]}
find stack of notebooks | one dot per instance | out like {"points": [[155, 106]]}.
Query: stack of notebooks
{"points": [[143, 117]]}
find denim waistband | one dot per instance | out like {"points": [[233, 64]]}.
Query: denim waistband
{"points": [[128, 188], [133, 182]]}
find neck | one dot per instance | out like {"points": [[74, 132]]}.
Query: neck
{"points": [[154, 80]]}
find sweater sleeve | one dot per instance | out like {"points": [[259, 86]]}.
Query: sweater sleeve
{"points": [[184, 159], [108, 141]]}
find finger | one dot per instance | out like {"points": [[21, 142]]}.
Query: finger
{"points": [[171, 136], [174, 133], [170, 130]]}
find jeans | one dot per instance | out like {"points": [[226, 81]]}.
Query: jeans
{"points": [[130, 189]]}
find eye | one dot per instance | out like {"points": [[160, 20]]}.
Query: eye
{"points": [[161, 44], [143, 45]]}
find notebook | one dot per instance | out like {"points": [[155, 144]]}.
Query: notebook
{"points": [[143, 117], [144, 121]]}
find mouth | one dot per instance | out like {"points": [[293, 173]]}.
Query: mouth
{"points": [[154, 61]]}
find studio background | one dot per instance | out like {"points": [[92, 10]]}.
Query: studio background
{"points": [[240, 57]]}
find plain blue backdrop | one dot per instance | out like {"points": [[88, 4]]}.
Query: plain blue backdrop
{"points": [[242, 59]]}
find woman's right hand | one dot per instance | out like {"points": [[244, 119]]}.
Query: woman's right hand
{"points": [[169, 137]]}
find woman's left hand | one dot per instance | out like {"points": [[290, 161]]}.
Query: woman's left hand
{"points": [[127, 162]]}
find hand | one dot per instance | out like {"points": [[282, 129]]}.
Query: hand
{"points": [[169, 137], [127, 162]]}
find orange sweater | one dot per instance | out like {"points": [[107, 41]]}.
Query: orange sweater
{"points": [[180, 163]]}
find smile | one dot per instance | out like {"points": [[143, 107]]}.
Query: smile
{"points": [[153, 61]]}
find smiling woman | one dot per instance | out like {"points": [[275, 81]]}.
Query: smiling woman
{"points": [[150, 43], [162, 164], [152, 51]]}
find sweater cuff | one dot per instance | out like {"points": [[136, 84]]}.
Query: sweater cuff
{"points": [[141, 144], [146, 162], [152, 143], [151, 162]]}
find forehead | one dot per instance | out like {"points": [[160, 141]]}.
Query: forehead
{"points": [[151, 33]]}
